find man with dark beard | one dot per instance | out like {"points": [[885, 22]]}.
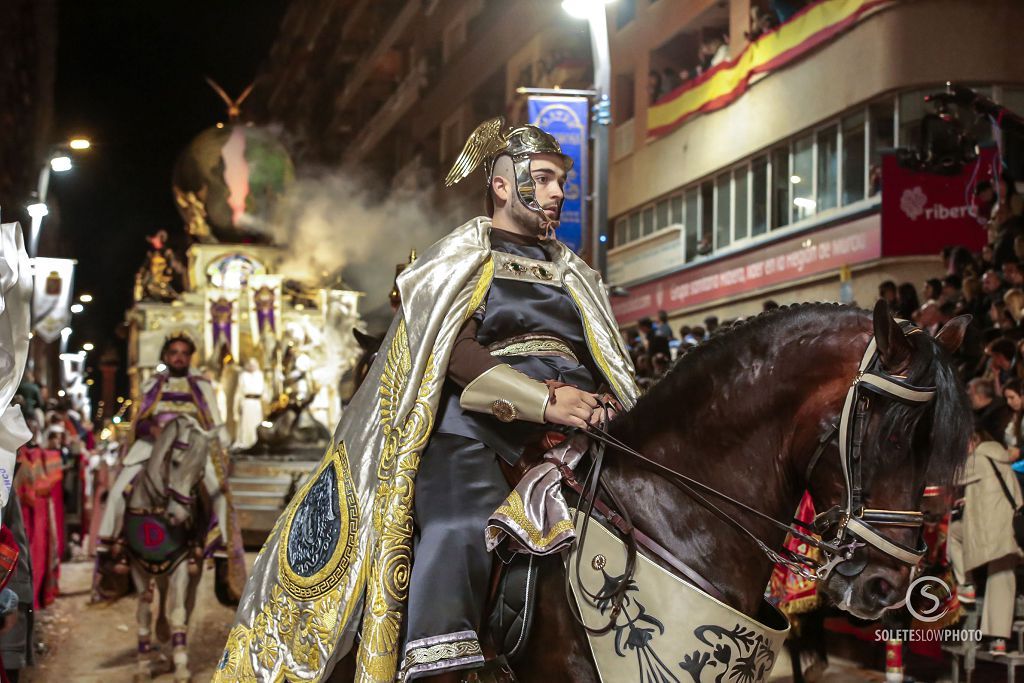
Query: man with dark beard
{"points": [[503, 336], [175, 390]]}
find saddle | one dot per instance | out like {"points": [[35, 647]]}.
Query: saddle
{"points": [[512, 600]]}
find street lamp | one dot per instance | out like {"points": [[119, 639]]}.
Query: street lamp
{"points": [[85, 298], [88, 346], [594, 12], [77, 308], [58, 160]]}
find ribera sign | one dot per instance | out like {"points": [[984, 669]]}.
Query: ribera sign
{"points": [[924, 212]]}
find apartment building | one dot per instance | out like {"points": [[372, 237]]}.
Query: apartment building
{"points": [[394, 87], [760, 178], [768, 176]]}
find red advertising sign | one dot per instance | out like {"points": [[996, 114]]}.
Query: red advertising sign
{"points": [[924, 212], [790, 259]]}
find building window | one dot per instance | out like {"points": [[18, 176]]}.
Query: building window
{"points": [[661, 217], [648, 220], [741, 217], [780, 187], [759, 192], [707, 218], [854, 150], [802, 179], [634, 227], [692, 223], [881, 136], [827, 182], [677, 209], [621, 232], [723, 206]]}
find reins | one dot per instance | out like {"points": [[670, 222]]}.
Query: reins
{"points": [[853, 524]]}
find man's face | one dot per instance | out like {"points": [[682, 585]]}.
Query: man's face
{"points": [[548, 178], [1012, 274], [177, 357]]}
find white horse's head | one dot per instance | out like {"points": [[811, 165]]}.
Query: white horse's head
{"points": [[178, 464]]}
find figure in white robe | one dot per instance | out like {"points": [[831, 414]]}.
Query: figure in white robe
{"points": [[248, 404]]}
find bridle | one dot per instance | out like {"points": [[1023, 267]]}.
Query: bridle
{"points": [[852, 524], [169, 492]]}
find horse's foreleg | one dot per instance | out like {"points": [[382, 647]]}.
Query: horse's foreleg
{"points": [[177, 595], [144, 618]]}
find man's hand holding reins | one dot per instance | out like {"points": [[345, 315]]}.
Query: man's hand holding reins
{"points": [[572, 407]]}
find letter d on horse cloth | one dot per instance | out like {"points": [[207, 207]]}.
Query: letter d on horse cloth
{"points": [[339, 560]]}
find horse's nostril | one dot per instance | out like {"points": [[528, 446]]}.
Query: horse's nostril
{"points": [[883, 592]]}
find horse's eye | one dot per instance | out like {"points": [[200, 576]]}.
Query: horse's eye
{"points": [[895, 441]]}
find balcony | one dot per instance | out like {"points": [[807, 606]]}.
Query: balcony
{"points": [[390, 113], [362, 71], [903, 45]]}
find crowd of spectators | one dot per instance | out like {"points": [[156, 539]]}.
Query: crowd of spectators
{"points": [[714, 46], [47, 514]]}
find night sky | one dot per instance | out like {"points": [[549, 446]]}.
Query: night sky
{"points": [[130, 77]]}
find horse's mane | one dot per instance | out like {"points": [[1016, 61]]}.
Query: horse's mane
{"points": [[689, 374]]}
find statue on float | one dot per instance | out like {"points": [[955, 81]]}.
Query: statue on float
{"points": [[154, 281]]}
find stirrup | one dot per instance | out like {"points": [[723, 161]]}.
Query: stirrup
{"points": [[494, 670]]}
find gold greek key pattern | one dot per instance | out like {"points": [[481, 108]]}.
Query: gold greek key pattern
{"points": [[514, 510], [442, 651], [532, 345], [312, 587]]}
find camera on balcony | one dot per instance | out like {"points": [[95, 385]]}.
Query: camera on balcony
{"points": [[944, 143]]}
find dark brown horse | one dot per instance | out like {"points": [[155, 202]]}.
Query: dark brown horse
{"points": [[745, 413]]}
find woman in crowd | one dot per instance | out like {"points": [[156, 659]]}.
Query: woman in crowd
{"points": [[906, 295], [983, 536]]}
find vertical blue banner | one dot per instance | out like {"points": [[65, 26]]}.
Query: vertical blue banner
{"points": [[567, 119]]}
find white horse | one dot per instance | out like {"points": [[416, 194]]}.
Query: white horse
{"points": [[164, 530]]}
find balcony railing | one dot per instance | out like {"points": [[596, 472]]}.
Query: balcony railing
{"points": [[720, 86], [390, 113]]}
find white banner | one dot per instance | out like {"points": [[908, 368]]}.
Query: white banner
{"points": [[51, 297]]}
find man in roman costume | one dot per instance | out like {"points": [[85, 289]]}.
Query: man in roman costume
{"points": [[502, 335]]}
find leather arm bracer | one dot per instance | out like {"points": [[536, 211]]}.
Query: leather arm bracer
{"points": [[507, 394]]}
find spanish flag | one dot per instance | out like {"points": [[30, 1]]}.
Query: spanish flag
{"points": [[718, 87]]}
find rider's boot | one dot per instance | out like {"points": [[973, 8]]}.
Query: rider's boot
{"points": [[494, 670]]}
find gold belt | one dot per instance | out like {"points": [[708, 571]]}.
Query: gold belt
{"points": [[533, 345]]}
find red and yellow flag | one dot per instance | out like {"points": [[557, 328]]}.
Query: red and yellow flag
{"points": [[723, 84]]}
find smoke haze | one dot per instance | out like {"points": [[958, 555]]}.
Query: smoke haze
{"points": [[338, 224]]}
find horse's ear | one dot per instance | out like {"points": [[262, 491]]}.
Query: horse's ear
{"points": [[893, 346], [952, 333]]}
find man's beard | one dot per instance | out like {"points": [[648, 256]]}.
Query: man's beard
{"points": [[538, 224], [177, 372]]}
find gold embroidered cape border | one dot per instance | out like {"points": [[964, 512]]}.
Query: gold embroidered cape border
{"points": [[297, 625]]}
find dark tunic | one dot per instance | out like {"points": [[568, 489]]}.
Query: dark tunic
{"points": [[512, 310], [459, 483]]}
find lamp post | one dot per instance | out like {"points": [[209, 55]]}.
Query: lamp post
{"points": [[594, 12], [58, 160]]}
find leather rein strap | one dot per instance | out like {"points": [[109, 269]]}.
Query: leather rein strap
{"points": [[852, 519]]}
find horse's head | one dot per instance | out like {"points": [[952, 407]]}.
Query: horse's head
{"points": [[178, 464], [370, 346], [908, 424]]}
